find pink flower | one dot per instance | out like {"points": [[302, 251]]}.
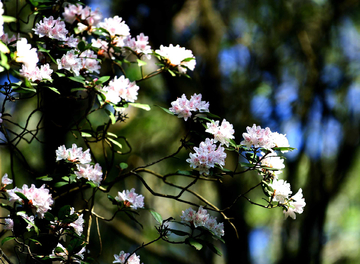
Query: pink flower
{"points": [[178, 57], [131, 199], [222, 133], [73, 154], [89, 61], [71, 62], [121, 88], [54, 29], [78, 224], [5, 180], [206, 156], [9, 223], [202, 219], [183, 107], [140, 45], [133, 259], [89, 172], [39, 198], [37, 74]]}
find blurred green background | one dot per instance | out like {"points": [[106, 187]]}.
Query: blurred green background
{"points": [[290, 65]]}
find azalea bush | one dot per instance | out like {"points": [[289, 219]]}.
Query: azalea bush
{"points": [[63, 55]]}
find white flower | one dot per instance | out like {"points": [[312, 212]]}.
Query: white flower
{"points": [[78, 223], [222, 133], [206, 156], [133, 259], [296, 205], [25, 54], [65, 255], [121, 88], [258, 137], [273, 161], [115, 26], [183, 107], [40, 199], [9, 223], [36, 73], [54, 29], [140, 45], [5, 180], [89, 61], [73, 154], [30, 219], [280, 140], [178, 57], [89, 172], [202, 218], [131, 199], [281, 189], [70, 61]]}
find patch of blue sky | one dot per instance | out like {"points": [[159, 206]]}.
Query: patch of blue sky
{"points": [[353, 99], [292, 130], [285, 94], [234, 59], [314, 130], [258, 245], [261, 107], [331, 75], [332, 135], [103, 5], [350, 40]]}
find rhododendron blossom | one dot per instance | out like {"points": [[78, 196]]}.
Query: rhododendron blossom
{"points": [[73, 154], [131, 199], [51, 28], [36, 73], [133, 259], [222, 133], [9, 223], [70, 61], [78, 224], [281, 190], [40, 199], [64, 254], [89, 61], [25, 54], [273, 161], [29, 219], [178, 57], [183, 107], [5, 38], [5, 180], [202, 218], [115, 26], [121, 88], [140, 45], [206, 156], [89, 172], [296, 205]]}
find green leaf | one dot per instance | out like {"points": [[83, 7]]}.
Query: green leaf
{"points": [[60, 74], [92, 184], [166, 110], [53, 89], [60, 184], [112, 134], [214, 249], [73, 90], [49, 216], [157, 216], [188, 59], [84, 134], [111, 198], [284, 148], [81, 46], [4, 49], [183, 172], [249, 165], [195, 243], [6, 239], [111, 116], [141, 106], [44, 178], [102, 79], [115, 142], [22, 196], [9, 19], [64, 212], [141, 62], [35, 241], [123, 165], [78, 79], [65, 178], [172, 73]]}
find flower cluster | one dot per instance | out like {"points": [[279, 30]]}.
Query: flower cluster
{"points": [[83, 158], [64, 254], [131, 199], [51, 28], [40, 199], [133, 259], [177, 57], [296, 204], [73, 154], [222, 133], [140, 45], [36, 73], [25, 54], [121, 88], [263, 138], [87, 17], [71, 61], [202, 218], [206, 156], [183, 107]]}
